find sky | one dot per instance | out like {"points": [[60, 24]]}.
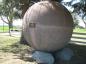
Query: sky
{"points": [[70, 0], [16, 22], [66, 0], [0, 0]]}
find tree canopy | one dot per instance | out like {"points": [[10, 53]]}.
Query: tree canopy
{"points": [[13, 6], [79, 7], [9, 10], [16, 8]]}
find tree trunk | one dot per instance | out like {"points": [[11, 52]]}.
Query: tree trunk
{"points": [[3, 26], [24, 6], [9, 31], [10, 24], [4, 20], [22, 40]]}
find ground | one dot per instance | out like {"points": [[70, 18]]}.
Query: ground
{"points": [[10, 58], [11, 52]]}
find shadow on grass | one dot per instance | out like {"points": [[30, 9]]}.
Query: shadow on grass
{"points": [[14, 48], [78, 45], [78, 38], [80, 54], [25, 52]]}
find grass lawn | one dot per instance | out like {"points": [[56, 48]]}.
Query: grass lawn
{"points": [[11, 45], [6, 28], [7, 41], [79, 30], [11, 51]]}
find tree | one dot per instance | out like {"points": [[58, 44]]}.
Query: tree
{"points": [[25, 4], [7, 9], [79, 8]]}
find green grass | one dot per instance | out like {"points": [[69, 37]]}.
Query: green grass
{"points": [[7, 41], [6, 28], [11, 44], [80, 30]]}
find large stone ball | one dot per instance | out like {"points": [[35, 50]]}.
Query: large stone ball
{"points": [[47, 26]]}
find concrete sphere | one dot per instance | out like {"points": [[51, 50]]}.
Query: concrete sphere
{"points": [[47, 26]]}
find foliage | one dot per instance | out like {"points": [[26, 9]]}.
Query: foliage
{"points": [[15, 8], [10, 10], [9, 6], [79, 7]]}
